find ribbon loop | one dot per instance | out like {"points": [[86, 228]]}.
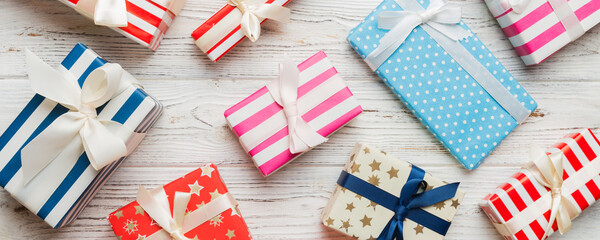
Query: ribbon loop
{"points": [[161, 213], [254, 12], [101, 145], [111, 13]]}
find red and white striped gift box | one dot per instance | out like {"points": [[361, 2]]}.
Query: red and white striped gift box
{"points": [[324, 102], [148, 20], [525, 204], [220, 33], [537, 32]]}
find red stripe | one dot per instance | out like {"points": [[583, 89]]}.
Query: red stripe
{"points": [[537, 229], [570, 155], [565, 175], [540, 40], [143, 14], [499, 205], [521, 235], [138, 33], [229, 49], [591, 185], [224, 39], [256, 119], [200, 31], [598, 142], [547, 217], [585, 147], [526, 182], [514, 196], [583, 204], [528, 21]]}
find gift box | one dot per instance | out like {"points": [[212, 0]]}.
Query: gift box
{"points": [[539, 28], [147, 20], [561, 181], [443, 74], [209, 212], [223, 31], [324, 105], [60, 191], [378, 194]]}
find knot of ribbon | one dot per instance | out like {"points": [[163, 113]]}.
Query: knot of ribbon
{"points": [[413, 197], [99, 137], [254, 12], [441, 16], [285, 92], [547, 169], [158, 209], [111, 13]]}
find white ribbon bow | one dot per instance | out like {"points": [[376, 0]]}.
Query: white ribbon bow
{"points": [[254, 12], [285, 92], [548, 171], [111, 13], [441, 16], [160, 212], [101, 145]]}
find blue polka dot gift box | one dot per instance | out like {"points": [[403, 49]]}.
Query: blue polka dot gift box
{"points": [[444, 74]]}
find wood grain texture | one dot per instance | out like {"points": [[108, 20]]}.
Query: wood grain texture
{"points": [[195, 92]]}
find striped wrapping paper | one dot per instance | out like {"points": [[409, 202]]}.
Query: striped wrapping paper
{"points": [[324, 101], [148, 21], [220, 33], [59, 193], [522, 197], [538, 33]]}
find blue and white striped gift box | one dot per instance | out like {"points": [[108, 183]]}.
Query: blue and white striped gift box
{"points": [[60, 192]]}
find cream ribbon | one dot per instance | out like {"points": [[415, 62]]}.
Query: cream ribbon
{"points": [[111, 13], [156, 204], [561, 8], [254, 12], [548, 171], [439, 15], [101, 145], [285, 92]]}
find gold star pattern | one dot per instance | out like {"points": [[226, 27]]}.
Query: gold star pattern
{"points": [[351, 157], [230, 233], [374, 180], [393, 172], [200, 205], [141, 237], [358, 196], [329, 221], [372, 204], [355, 167], [418, 229], [119, 214], [195, 188], [439, 205], [216, 221], [372, 238], [130, 226], [346, 224], [207, 171], [214, 195], [350, 206], [120, 237], [367, 150], [235, 211], [429, 187], [382, 152], [195, 238], [374, 165], [139, 210], [366, 221], [455, 203]]}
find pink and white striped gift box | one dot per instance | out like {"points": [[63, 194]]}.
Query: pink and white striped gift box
{"points": [[524, 204], [148, 20], [538, 32], [324, 101], [221, 32]]}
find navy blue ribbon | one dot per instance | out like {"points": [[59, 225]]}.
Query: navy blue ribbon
{"points": [[408, 205]]}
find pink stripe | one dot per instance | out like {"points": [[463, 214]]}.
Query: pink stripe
{"points": [[528, 21], [541, 40], [326, 105], [587, 9], [246, 101], [311, 61], [277, 162], [330, 128], [256, 119], [502, 15], [272, 139], [310, 85]]}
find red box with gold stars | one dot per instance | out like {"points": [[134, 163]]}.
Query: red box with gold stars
{"points": [[206, 187]]}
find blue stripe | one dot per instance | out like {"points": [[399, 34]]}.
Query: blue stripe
{"points": [[98, 62], [132, 103], [20, 120], [70, 60], [14, 164], [66, 184]]}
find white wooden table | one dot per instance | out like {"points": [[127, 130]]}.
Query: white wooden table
{"points": [[287, 205]]}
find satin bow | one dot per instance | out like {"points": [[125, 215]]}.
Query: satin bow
{"points": [[441, 16], [412, 199], [102, 146], [111, 13], [254, 12], [160, 212], [548, 171], [285, 93]]}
